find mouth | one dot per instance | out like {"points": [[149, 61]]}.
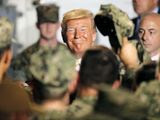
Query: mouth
{"points": [[146, 44], [78, 41]]}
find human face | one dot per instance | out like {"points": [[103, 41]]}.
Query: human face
{"points": [[149, 34], [80, 35], [48, 30], [144, 6]]}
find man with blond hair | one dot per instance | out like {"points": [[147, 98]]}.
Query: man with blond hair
{"points": [[78, 30]]}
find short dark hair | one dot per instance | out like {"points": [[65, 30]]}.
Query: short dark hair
{"points": [[99, 65]]}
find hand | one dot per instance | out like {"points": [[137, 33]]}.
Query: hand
{"points": [[5, 62], [128, 54]]}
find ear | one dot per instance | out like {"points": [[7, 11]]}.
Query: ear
{"points": [[94, 35], [5, 62]]}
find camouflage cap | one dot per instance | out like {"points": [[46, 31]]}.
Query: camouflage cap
{"points": [[6, 29], [48, 13], [110, 16], [54, 68]]}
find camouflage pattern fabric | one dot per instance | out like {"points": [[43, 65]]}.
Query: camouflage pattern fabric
{"points": [[110, 13], [80, 107], [40, 113], [114, 105], [117, 105], [6, 29], [149, 93], [19, 66], [53, 67], [48, 13]]}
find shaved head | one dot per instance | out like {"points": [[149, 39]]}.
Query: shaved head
{"points": [[149, 33]]}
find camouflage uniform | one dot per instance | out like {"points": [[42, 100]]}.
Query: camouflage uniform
{"points": [[80, 107], [40, 114], [117, 105], [54, 69], [112, 105], [19, 66], [150, 93]]}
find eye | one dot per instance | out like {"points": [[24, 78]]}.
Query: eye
{"points": [[151, 32], [70, 30], [83, 29], [140, 32]]}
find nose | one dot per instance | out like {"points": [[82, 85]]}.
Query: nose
{"points": [[77, 34], [144, 36]]}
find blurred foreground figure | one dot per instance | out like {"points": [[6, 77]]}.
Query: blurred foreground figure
{"points": [[14, 101], [54, 73]]}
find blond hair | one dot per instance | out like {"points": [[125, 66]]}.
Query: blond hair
{"points": [[76, 14]]}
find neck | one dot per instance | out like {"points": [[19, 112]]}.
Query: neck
{"points": [[51, 42], [57, 104], [79, 55], [88, 91], [154, 53]]}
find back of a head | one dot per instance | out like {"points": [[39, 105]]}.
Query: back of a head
{"points": [[47, 13], [6, 29], [53, 70], [99, 65]]}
